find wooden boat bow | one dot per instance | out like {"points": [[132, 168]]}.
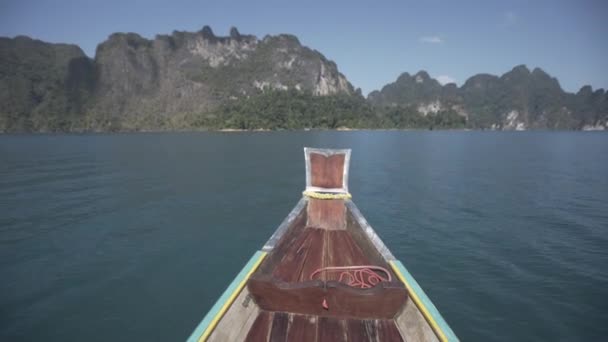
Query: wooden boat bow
{"points": [[290, 290]]}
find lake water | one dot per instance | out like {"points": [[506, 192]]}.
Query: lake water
{"points": [[132, 237]]}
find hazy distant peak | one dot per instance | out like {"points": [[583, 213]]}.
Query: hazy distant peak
{"points": [[207, 32], [522, 68], [234, 33], [422, 74]]}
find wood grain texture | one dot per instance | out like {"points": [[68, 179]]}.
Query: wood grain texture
{"points": [[326, 171], [362, 241], [280, 327], [331, 330], [357, 331], [315, 248], [342, 250], [289, 288], [315, 258], [237, 321], [260, 330], [412, 324], [326, 214], [387, 331], [290, 267], [273, 295], [283, 287], [384, 300], [371, 328], [302, 328], [280, 323], [286, 243]]}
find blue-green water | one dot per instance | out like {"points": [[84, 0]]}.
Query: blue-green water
{"points": [[132, 237]]}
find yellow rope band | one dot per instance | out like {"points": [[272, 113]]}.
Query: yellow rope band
{"points": [[327, 196]]}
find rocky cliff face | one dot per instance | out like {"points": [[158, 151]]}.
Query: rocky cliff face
{"points": [[519, 99], [136, 83], [154, 80], [42, 85]]}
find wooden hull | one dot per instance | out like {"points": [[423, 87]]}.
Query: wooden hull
{"points": [[278, 296]]}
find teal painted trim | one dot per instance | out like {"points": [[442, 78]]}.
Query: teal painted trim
{"points": [[430, 307], [202, 326]]}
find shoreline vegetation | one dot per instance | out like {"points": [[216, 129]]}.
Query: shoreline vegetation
{"points": [[136, 84], [311, 130]]}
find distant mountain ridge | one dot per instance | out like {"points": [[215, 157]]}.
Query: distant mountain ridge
{"points": [[519, 99], [197, 80]]}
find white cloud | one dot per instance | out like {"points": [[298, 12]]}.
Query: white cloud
{"points": [[445, 79], [431, 39]]}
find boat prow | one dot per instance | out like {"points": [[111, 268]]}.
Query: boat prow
{"points": [[324, 275]]}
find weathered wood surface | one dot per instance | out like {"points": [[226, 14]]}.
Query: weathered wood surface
{"points": [[387, 331], [354, 215], [298, 213], [365, 241], [331, 330], [281, 327], [309, 249], [413, 325], [237, 321], [306, 247], [384, 300], [342, 250], [286, 242], [302, 328], [285, 284], [326, 171], [260, 331], [326, 214], [358, 330], [315, 257], [280, 323], [295, 297], [305, 255]]}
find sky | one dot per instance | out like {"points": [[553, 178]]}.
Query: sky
{"points": [[372, 42]]}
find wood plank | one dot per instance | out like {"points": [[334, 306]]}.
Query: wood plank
{"points": [[342, 251], [314, 258], [237, 321], [291, 265], [357, 331], [352, 250], [333, 256], [304, 298], [326, 171], [385, 300], [326, 214], [279, 327], [319, 329], [363, 241], [260, 329], [224, 302], [371, 327], [412, 324], [287, 242], [387, 331], [331, 330], [302, 328]]}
